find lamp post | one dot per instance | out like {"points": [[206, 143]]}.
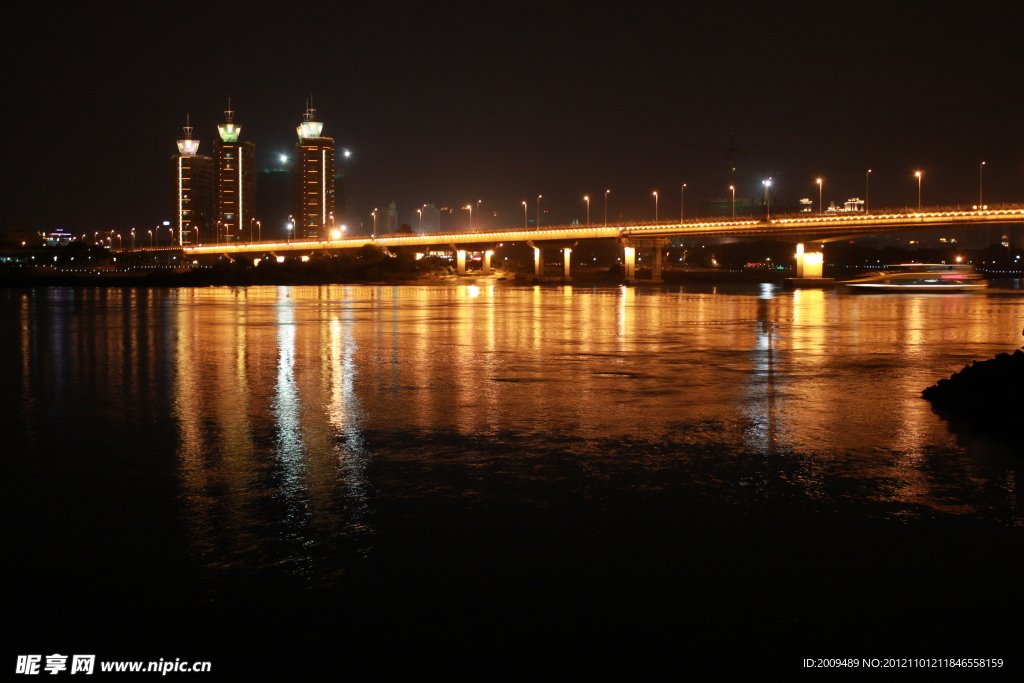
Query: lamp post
{"points": [[732, 188], [526, 218], [918, 174], [586, 198], [981, 197], [867, 189], [655, 207], [420, 212], [470, 207], [133, 238], [374, 214], [290, 227], [259, 231], [682, 203], [538, 210], [821, 209], [767, 206], [151, 239], [606, 207], [478, 203]]}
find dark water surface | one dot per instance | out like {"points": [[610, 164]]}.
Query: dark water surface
{"points": [[478, 480]]}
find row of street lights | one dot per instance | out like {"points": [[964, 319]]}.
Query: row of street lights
{"points": [[820, 182]]}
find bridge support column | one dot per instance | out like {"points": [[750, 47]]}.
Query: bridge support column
{"points": [[809, 263], [629, 263], [488, 253], [460, 260], [538, 262], [566, 272], [656, 269]]}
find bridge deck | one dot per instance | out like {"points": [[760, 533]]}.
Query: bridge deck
{"points": [[786, 227]]}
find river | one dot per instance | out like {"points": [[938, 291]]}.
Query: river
{"points": [[470, 478]]}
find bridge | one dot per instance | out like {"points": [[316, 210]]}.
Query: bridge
{"points": [[800, 229]]}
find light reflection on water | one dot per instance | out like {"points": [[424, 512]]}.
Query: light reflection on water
{"points": [[295, 409]]}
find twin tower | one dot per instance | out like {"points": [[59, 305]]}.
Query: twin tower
{"points": [[216, 196]]}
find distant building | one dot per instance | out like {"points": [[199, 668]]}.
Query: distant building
{"points": [[312, 180], [194, 192], [236, 182], [386, 219], [431, 218]]}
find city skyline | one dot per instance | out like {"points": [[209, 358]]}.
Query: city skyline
{"points": [[512, 104]]}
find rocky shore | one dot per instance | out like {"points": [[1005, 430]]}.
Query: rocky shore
{"points": [[987, 394]]}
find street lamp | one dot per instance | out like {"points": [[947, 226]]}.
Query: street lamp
{"points": [[526, 218], [820, 207], [767, 205], [606, 207], [981, 199], [655, 207], [732, 188], [290, 227], [259, 231], [470, 207], [918, 174], [420, 212], [150, 239], [374, 214], [538, 210], [867, 189], [586, 198], [133, 238], [682, 203]]}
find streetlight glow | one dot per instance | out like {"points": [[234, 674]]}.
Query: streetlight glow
{"points": [[918, 174], [820, 207]]}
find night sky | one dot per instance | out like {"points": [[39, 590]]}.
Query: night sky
{"points": [[457, 103]]}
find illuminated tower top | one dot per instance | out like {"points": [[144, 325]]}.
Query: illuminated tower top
{"points": [[188, 147], [309, 128], [229, 131]]}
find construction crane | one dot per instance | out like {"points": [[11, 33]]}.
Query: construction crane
{"points": [[730, 153]]}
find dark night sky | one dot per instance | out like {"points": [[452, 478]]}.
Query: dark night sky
{"points": [[454, 103]]}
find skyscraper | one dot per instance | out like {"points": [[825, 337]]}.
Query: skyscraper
{"points": [[236, 182], [312, 180], [195, 198]]}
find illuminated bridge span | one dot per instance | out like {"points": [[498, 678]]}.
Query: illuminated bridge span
{"points": [[798, 228]]}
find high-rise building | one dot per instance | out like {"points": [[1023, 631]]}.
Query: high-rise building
{"points": [[431, 218], [312, 180], [195, 197], [386, 219], [236, 182]]}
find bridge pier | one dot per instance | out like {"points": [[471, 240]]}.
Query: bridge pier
{"points": [[629, 264], [488, 253], [629, 247], [808, 263], [538, 256], [460, 261]]}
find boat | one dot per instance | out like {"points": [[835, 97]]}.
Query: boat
{"points": [[920, 277]]}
